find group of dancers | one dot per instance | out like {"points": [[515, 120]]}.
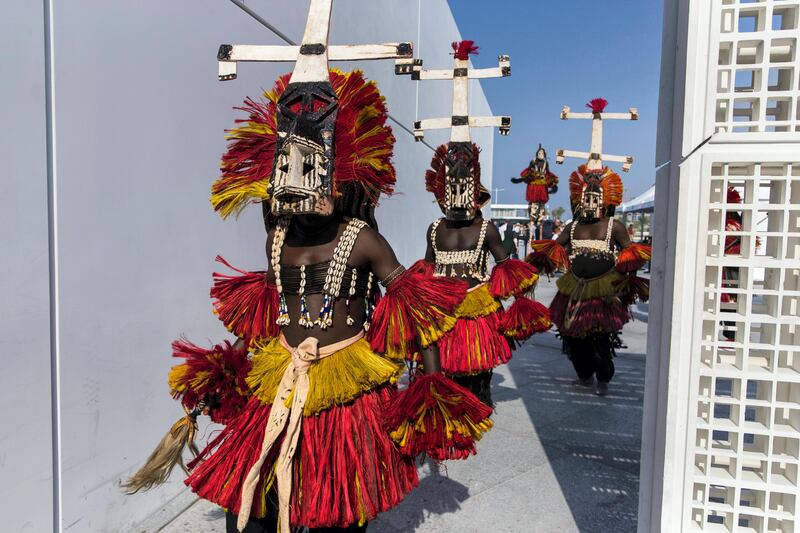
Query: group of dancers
{"points": [[316, 431]]}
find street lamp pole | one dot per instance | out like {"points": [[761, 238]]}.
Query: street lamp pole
{"points": [[496, 190]]}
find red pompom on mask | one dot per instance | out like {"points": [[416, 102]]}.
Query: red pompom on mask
{"points": [[463, 49], [597, 105]]}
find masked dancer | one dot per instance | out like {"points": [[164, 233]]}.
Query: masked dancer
{"points": [[541, 183], [316, 434], [593, 299], [461, 243]]}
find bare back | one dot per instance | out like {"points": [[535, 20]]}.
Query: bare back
{"points": [[457, 236]]}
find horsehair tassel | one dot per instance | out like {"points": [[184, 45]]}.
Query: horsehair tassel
{"points": [[169, 452]]}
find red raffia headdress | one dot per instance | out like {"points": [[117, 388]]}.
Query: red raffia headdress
{"points": [[435, 176], [606, 178], [364, 146]]}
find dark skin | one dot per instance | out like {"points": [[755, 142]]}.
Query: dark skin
{"points": [[464, 235], [588, 267], [312, 239], [596, 229]]}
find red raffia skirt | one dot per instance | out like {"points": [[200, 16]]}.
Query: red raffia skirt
{"points": [[475, 344], [346, 470], [536, 194], [585, 306]]}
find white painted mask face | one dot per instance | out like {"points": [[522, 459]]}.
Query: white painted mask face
{"points": [[300, 169], [591, 203], [303, 169]]}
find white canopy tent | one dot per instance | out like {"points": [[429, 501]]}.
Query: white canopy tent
{"points": [[644, 203]]}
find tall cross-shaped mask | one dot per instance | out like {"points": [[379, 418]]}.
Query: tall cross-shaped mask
{"points": [[461, 183], [302, 177], [595, 156]]}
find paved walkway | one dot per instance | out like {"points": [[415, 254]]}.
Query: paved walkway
{"points": [[559, 458]]}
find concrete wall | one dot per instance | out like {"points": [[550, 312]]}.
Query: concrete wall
{"points": [[138, 127]]}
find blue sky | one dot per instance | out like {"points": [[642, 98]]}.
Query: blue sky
{"points": [[567, 52]]}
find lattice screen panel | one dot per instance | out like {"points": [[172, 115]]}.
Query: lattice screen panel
{"points": [[757, 85], [747, 430]]}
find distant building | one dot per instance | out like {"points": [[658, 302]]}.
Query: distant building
{"points": [[509, 212]]}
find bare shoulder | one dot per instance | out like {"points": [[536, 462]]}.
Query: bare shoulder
{"points": [[369, 240], [429, 232], [619, 228], [619, 225], [492, 231]]}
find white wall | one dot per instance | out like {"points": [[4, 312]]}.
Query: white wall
{"points": [[139, 119], [25, 437]]}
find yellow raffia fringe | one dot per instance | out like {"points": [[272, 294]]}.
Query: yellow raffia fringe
{"points": [[335, 380], [543, 322], [595, 288], [234, 197], [177, 379], [362, 515], [434, 332], [479, 364], [528, 282], [425, 336], [178, 384], [478, 302], [466, 428], [236, 194]]}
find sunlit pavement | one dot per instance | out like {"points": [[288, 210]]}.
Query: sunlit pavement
{"points": [[559, 458]]}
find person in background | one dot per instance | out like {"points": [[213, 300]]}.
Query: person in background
{"points": [[547, 229], [522, 237], [631, 231], [501, 226], [460, 246], [509, 240], [593, 299]]}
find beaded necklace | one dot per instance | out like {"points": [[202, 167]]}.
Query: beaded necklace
{"points": [[333, 278], [474, 261], [597, 247]]}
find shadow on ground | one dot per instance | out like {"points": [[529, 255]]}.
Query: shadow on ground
{"points": [[592, 444], [559, 459]]}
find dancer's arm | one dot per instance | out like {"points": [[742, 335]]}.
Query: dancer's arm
{"points": [[620, 235], [429, 255], [494, 242], [563, 237]]}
